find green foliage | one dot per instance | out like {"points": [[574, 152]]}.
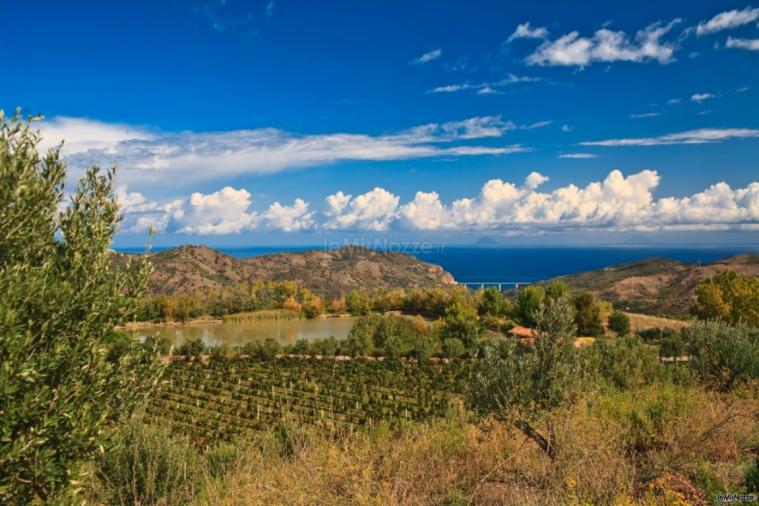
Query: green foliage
{"points": [[728, 296], [192, 347], [326, 347], [358, 303], [391, 336], [234, 398], [462, 323], [360, 339], [723, 354], [752, 477], [673, 345], [557, 289], [647, 417], [266, 350], [623, 362], [453, 347], [301, 347], [529, 380], [221, 458], [63, 378], [655, 334], [519, 384], [588, 316], [529, 301], [619, 323], [160, 343], [423, 346], [392, 332], [492, 303], [147, 464]]}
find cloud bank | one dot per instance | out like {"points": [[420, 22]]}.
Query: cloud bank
{"points": [[616, 203]]}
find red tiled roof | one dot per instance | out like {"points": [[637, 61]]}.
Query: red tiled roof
{"points": [[523, 332]]}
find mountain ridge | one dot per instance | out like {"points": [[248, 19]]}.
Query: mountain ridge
{"points": [[656, 285], [652, 286], [198, 269]]}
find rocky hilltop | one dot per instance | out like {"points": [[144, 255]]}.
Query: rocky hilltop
{"points": [[198, 269], [656, 285]]}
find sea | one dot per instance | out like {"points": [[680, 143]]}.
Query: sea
{"points": [[523, 265]]}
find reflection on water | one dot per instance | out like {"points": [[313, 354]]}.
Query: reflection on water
{"points": [[238, 333]]}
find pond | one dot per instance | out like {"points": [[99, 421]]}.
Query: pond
{"points": [[239, 333]]}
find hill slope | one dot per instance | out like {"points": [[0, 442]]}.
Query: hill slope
{"points": [[656, 285], [197, 269]]}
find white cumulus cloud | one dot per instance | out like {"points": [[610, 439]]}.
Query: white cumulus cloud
{"points": [[221, 212], [618, 202], [292, 218], [373, 210]]}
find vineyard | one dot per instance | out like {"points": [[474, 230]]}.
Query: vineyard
{"points": [[228, 398]]}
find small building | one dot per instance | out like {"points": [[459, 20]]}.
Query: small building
{"points": [[525, 336]]}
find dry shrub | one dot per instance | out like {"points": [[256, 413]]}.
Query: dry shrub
{"points": [[660, 444]]}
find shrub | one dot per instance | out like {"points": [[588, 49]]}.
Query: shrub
{"points": [[722, 354], [360, 338], [423, 346], [530, 299], [268, 349], [160, 343], [327, 347], [453, 347], [146, 464], [62, 378], [192, 347], [672, 346], [728, 296], [752, 477], [623, 362], [588, 316], [655, 334], [517, 384], [619, 323], [220, 459], [358, 303], [301, 347], [492, 302], [461, 322]]}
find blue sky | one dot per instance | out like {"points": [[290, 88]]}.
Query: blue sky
{"points": [[277, 122]]}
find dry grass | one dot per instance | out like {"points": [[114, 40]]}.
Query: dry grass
{"points": [[640, 322], [662, 444]]}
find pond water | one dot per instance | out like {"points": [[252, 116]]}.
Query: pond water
{"points": [[239, 333]]}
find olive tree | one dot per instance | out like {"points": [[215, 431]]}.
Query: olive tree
{"points": [[518, 384], [61, 385]]}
